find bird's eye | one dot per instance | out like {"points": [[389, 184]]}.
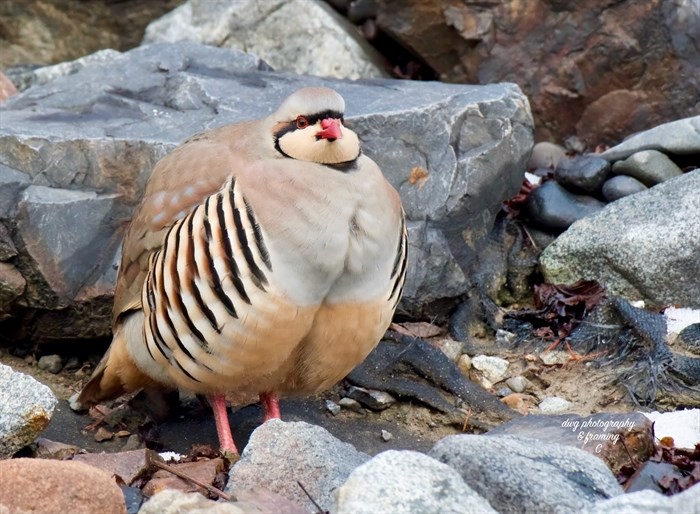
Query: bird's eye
{"points": [[302, 122]]}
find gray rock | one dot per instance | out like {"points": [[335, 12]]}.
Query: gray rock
{"points": [[387, 436], [333, 407], [518, 474], [350, 404], [620, 186], [26, 407], [641, 502], [546, 155], [614, 438], [12, 183], [583, 173], [518, 384], [12, 286], [46, 74], [51, 363], [7, 246], [650, 167], [279, 454], [680, 137], [281, 32], [100, 130], [643, 247], [398, 482], [553, 207], [70, 236], [370, 398]]}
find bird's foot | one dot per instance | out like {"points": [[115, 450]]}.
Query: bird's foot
{"points": [[411, 367], [271, 405], [223, 429]]}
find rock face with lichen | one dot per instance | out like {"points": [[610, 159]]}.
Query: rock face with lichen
{"points": [[597, 70], [76, 151]]}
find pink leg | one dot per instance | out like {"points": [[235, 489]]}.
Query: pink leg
{"points": [[223, 430], [271, 404]]}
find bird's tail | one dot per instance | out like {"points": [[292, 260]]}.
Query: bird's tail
{"points": [[116, 374]]}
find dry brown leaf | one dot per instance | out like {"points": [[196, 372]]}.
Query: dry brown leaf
{"points": [[419, 176], [419, 329]]}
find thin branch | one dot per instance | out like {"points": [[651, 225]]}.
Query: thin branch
{"points": [[320, 510], [180, 474]]}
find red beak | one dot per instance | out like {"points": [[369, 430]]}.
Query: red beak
{"points": [[331, 129]]}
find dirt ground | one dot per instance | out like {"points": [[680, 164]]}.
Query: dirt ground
{"points": [[412, 426]]}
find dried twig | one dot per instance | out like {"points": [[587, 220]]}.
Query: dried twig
{"points": [[184, 476], [320, 510]]}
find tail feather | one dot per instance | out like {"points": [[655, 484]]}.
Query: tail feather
{"points": [[115, 375]]}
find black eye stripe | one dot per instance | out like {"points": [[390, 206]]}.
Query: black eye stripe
{"points": [[291, 126]]}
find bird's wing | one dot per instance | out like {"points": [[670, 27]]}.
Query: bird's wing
{"points": [[179, 182]]}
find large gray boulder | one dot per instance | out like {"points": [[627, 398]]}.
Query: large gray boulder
{"points": [[641, 502], [680, 137], [404, 482], [79, 149], [523, 475], [301, 36], [281, 455], [642, 247]]}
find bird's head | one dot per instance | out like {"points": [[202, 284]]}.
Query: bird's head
{"points": [[309, 126]]}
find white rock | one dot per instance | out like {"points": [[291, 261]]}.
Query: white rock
{"points": [[407, 482], [682, 425], [554, 405], [302, 36], [554, 357], [26, 407], [677, 319], [493, 368]]}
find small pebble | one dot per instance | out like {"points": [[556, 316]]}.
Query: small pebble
{"points": [[464, 363], [503, 392], [132, 443], [350, 404], [103, 434], [650, 167], [504, 337], [333, 407], [123, 433], [29, 359], [485, 383], [371, 398], [554, 405], [493, 368], [554, 357], [620, 186], [552, 207], [583, 173], [519, 401], [72, 363], [387, 436], [450, 347], [518, 384], [51, 363], [546, 155]]}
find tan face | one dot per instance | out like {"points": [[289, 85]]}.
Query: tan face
{"points": [[320, 138]]}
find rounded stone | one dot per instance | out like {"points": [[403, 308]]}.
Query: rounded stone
{"points": [[620, 186]]}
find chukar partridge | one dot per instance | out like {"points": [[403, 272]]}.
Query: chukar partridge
{"points": [[266, 257]]}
